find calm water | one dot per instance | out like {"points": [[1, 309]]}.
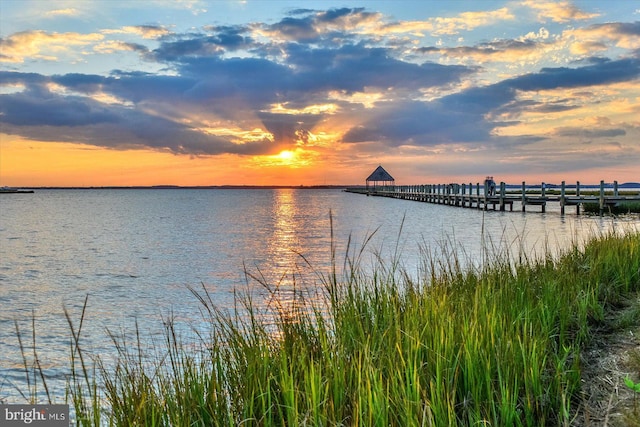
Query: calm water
{"points": [[134, 253]]}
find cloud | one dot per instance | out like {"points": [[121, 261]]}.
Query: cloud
{"points": [[113, 46], [596, 74], [625, 35], [468, 21], [306, 25], [420, 124], [343, 24], [471, 115], [589, 133], [50, 117], [558, 11], [214, 88], [42, 45], [465, 21], [219, 41], [62, 12], [506, 50], [533, 47], [228, 89], [145, 31]]}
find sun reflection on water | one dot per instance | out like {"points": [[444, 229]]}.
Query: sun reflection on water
{"points": [[289, 280]]}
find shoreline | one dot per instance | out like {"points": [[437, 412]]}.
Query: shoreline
{"points": [[623, 186]]}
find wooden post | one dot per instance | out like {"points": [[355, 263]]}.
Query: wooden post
{"points": [[578, 196], [524, 197], [562, 198], [502, 187], [470, 195], [464, 192], [615, 188], [544, 198], [486, 190], [601, 198]]}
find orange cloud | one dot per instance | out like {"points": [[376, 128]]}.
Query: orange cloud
{"points": [[144, 31], [620, 34], [467, 21], [562, 11], [42, 45]]}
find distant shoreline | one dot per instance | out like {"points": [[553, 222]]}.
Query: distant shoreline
{"points": [[271, 187], [194, 187]]}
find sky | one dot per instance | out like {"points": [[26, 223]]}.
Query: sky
{"points": [[267, 92]]}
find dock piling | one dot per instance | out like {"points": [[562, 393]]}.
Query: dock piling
{"points": [[562, 197], [453, 194], [601, 198]]}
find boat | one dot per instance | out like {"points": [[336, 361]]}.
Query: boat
{"points": [[11, 190]]}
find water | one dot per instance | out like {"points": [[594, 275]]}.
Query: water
{"points": [[135, 253]]}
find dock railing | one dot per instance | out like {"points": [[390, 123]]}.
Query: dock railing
{"points": [[480, 196]]}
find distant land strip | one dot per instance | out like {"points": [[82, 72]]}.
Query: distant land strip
{"points": [[186, 187], [633, 185]]}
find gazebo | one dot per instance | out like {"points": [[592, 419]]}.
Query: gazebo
{"points": [[379, 177]]}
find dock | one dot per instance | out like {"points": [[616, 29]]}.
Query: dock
{"points": [[504, 196]]}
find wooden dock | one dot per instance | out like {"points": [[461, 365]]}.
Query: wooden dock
{"points": [[479, 196]]}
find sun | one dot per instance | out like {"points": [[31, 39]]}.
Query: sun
{"points": [[286, 155], [296, 158]]}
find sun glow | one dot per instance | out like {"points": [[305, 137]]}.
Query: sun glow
{"points": [[286, 155], [292, 159]]}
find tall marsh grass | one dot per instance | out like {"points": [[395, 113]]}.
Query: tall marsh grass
{"points": [[497, 346], [620, 208]]}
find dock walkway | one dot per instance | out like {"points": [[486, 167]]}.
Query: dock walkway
{"points": [[480, 196]]}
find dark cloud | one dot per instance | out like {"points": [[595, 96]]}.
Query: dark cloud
{"points": [[39, 114], [463, 117], [224, 39], [600, 73], [308, 26], [589, 133], [487, 49], [14, 78], [621, 28], [86, 83], [354, 67], [37, 108], [287, 128], [300, 29], [419, 123], [515, 108], [86, 121]]}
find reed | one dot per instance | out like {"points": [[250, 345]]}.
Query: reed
{"points": [[497, 345], [621, 208]]}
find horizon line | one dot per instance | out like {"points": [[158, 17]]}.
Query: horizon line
{"points": [[267, 186]]}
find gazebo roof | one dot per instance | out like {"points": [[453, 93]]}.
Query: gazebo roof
{"points": [[380, 175]]}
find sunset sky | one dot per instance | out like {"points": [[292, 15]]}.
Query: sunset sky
{"points": [[265, 92]]}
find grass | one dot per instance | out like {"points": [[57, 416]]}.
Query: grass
{"points": [[620, 208], [496, 346]]}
